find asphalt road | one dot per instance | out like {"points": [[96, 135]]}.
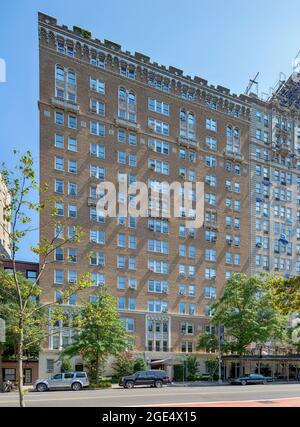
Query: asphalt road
{"points": [[179, 396]]}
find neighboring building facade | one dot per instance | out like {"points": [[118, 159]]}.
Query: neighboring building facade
{"points": [[4, 225], [30, 364], [103, 113], [275, 182]]}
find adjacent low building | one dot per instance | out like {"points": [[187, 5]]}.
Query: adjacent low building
{"points": [[30, 362]]}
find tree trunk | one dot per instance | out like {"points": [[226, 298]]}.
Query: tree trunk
{"points": [[20, 367], [241, 367], [97, 368]]}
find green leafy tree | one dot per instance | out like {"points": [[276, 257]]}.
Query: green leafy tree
{"points": [[21, 307], [66, 365], [124, 364], [247, 313], [140, 365], [285, 294], [192, 368], [209, 341], [100, 334], [212, 367]]}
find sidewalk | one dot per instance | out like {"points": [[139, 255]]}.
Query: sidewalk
{"points": [[197, 384], [215, 383]]}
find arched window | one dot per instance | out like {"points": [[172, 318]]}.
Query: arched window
{"points": [[59, 73], [71, 77], [187, 123], [122, 93], [65, 83], [131, 98], [229, 132], [126, 104], [232, 139], [236, 141]]}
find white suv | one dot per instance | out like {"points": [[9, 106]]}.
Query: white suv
{"points": [[74, 380]]}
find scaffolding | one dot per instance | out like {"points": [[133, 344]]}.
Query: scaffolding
{"points": [[287, 91]]}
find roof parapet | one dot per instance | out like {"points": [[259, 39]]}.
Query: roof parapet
{"points": [[176, 72]]}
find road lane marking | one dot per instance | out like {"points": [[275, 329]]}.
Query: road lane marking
{"points": [[113, 396], [221, 402]]}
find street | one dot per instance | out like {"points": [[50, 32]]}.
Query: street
{"points": [[255, 395]]}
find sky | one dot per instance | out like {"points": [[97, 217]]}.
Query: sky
{"points": [[224, 41]]}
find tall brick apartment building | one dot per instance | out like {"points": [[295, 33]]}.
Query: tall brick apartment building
{"points": [[105, 112], [275, 181]]}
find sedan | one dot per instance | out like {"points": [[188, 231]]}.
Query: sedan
{"points": [[251, 379]]}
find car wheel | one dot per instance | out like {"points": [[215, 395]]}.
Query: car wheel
{"points": [[41, 387], [129, 384], [76, 387], [158, 384], [244, 382]]}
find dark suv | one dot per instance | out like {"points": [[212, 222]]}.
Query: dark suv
{"points": [[152, 378]]}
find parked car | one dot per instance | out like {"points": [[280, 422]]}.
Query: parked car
{"points": [[251, 379], [155, 378], [73, 380]]}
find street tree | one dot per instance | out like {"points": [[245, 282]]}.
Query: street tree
{"points": [[124, 364], [248, 315], [100, 334], [285, 294], [23, 311]]}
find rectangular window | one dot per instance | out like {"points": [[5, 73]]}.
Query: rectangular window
{"points": [[211, 124], [59, 208], [97, 128], [58, 277], [59, 163], [158, 106], [59, 186], [72, 144], [211, 143], [72, 166], [97, 107], [158, 126], [97, 85], [132, 160], [97, 172], [72, 211], [72, 122], [58, 141], [97, 150], [59, 118], [121, 282]]}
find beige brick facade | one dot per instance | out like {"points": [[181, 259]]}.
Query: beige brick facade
{"points": [[69, 50]]}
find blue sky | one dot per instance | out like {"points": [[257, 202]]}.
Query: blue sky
{"points": [[224, 41]]}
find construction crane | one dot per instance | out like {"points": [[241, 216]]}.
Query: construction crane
{"points": [[251, 83]]}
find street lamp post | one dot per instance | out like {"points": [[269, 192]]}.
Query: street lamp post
{"points": [[219, 355], [2, 341]]}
